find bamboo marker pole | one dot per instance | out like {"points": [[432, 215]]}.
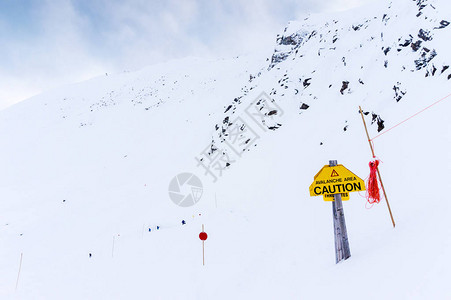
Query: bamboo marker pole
{"points": [[203, 248], [377, 168], [20, 267], [112, 249]]}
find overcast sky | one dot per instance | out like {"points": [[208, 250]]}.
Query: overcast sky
{"points": [[48, 43]]}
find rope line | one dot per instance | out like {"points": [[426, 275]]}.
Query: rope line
{"points": [[410, 117]]}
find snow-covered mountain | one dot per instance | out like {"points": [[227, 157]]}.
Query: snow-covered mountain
{"points": [[86, 170]]}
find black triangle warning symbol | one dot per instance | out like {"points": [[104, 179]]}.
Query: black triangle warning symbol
{"points": [[334, 173]]}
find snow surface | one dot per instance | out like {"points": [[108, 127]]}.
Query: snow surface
{"points": [[86, 169]]}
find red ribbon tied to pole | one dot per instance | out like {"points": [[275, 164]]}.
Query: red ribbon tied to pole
{"points": [[372, 188]]}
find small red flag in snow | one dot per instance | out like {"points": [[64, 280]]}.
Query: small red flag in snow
{"points": [[203, 236]]}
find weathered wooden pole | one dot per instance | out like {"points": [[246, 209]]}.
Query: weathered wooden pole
{"points": [[377, 168], [342, 250], [112, 248]]}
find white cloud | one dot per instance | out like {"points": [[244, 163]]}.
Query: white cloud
{"points": [[74, 41], [56, 56], [341, 5]]}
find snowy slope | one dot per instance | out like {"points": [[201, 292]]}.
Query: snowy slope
{"points": [[86, 170]]}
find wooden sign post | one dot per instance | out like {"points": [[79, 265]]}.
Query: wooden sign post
{"points": [[342, 251]]}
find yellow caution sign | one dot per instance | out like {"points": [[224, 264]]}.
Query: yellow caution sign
{"points": [[335, 180]]}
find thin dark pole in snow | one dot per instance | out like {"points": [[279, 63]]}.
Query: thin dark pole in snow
{"points": [[377, 168], [342, 250], [20, 267]]}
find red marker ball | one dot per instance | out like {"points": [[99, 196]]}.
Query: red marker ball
{"points": [[203, 236]]}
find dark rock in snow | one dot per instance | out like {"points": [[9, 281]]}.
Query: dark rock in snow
{"points": [[406, 42], [398, 92], [278, 57], [294, 41], [426, 57], [420, 4], [416, 46], [312, 34], [344, 86], [213, 149], [373, 118], [443, 24], [272, 112], [386, 50], [304, 106], [424, 35], [228, 108], [288, 40], [434, 69], [275, 127], [444, 69], [380, 123], [306, 82]]}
